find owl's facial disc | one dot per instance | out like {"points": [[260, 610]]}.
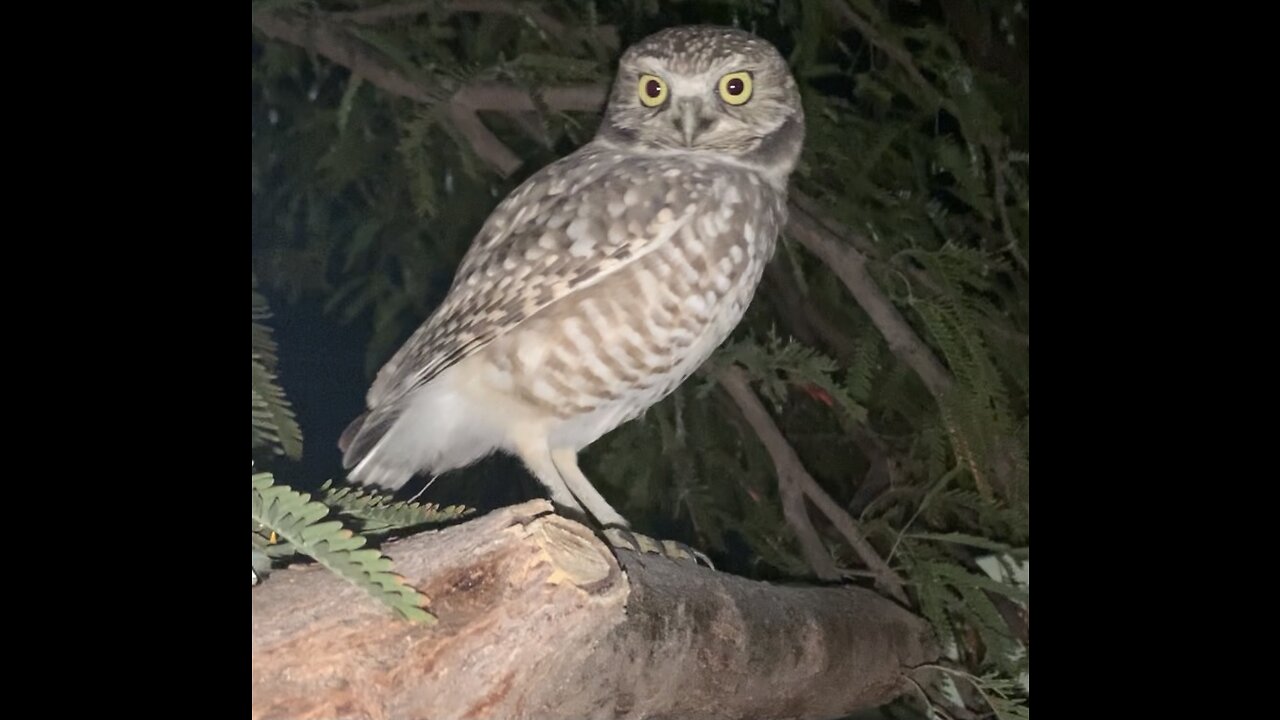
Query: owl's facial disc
{"points": [[706, 90]]}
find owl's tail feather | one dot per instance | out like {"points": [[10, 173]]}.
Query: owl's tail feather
{"points": [[360, 443], [344, 440]]}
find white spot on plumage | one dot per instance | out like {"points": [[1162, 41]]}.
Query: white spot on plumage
{"points": [[697, 304], [542, 390], [580, 231], [530, 355]]}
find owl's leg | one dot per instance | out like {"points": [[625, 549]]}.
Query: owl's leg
{"points": [[566, 461], [617, 529], [537, 458]]}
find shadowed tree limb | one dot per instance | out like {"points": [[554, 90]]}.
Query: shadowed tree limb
{"points": [[550, 27], [469, 101], [328, 40], [332, 43], [793, 477], [850, 266], [538, 620]]}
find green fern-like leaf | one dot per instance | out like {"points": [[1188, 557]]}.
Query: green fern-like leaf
{"points": [[959, 577], [1003, 651], [378, 513], [274, 424], [933, 606], [961, 539], [1003, 694], [298, 519]]}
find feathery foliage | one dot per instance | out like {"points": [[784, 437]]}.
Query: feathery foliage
{"points": [[287, 522], [374, 513], [274, 424], [916, 155], [297, 519]]}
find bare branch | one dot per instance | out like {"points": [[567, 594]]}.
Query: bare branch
{"points": [[1001, 166], [895, 52], [338, 47], [332, 43], [468, 101], [797, 515], [538, 620], [850, 266], [791, 471], [813, 328], [395, 11], [550, 27]]}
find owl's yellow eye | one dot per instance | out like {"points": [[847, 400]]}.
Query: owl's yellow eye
{"points": [[653, 92], [735, 88]]}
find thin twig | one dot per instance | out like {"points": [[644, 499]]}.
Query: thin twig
{"points": [[895, 52], [792, 471], [1000, 165], [924, 502]]}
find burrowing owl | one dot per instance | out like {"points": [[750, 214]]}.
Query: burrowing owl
{"points": [[605, 280]]}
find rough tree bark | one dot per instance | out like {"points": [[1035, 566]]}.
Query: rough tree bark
{"points": [[538, 620]]}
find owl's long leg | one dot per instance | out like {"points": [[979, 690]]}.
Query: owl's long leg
{"points": [[537, 457], [617, 529], [566, 461]]}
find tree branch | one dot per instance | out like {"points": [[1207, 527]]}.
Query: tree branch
{"points": [[469, 101], [538, 620], [850, 266], [396, 11], [791, 471], [336, 46], [329, 41], [551, 27]]}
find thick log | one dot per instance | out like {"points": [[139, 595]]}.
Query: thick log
{"points": [[538, 620]]}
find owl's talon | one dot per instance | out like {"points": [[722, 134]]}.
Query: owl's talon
{"points": [[624, 538]]}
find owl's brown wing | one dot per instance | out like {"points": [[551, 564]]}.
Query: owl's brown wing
{"points": [[567, 227]]}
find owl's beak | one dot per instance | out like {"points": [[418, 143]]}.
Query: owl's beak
{"points": [[689, 119]]}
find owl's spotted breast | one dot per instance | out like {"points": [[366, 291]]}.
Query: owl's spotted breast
{"points": [[597, 358], [579, 222]]}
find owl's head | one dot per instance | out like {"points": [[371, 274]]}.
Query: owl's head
{"points": [[707, 89]]}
